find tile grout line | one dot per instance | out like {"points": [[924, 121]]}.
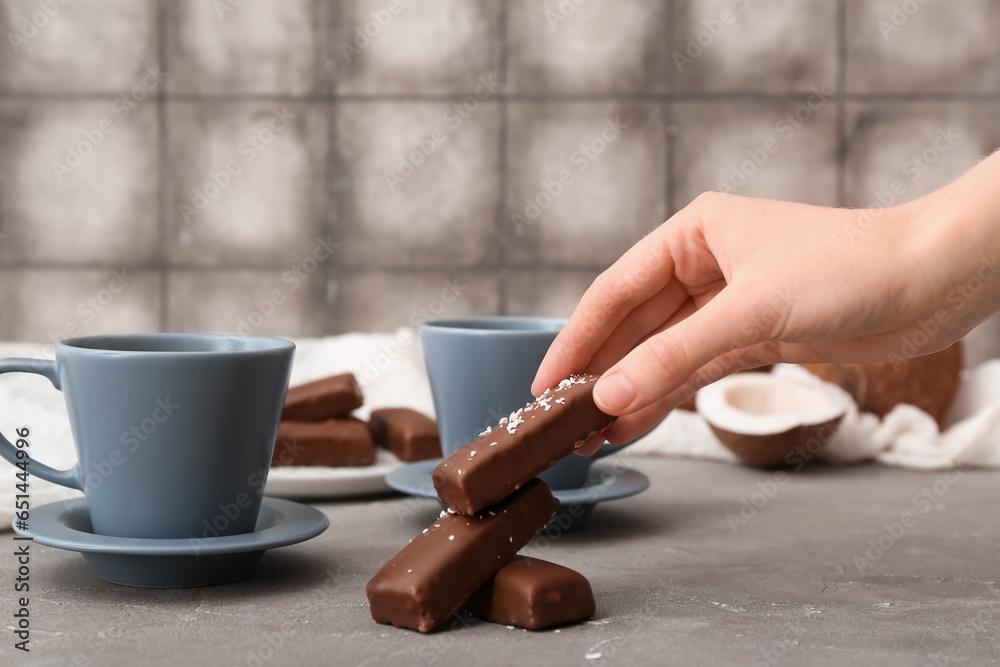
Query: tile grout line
{"points": [[163, 165], [668, 109], [840, 196], [331, 218], [349, 269], [503, 273], [535, 98]]}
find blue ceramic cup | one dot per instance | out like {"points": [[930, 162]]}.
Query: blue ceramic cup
{"points": [[174, 432], [481, 369]]}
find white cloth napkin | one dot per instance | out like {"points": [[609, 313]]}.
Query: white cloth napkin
{"points": [[907, 437]]}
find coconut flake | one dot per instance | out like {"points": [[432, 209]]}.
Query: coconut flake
{"points": [[515, 421]]}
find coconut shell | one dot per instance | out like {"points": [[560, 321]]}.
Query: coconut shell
{"points": [[774, 449], [929, 382]]}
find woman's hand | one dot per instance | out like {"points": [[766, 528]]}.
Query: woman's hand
{"points": [[730, 283]]}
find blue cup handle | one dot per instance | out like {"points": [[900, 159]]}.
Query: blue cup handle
{"points": [[71, 478]]}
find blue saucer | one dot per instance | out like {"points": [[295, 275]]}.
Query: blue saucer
{"points": [[173, 563], [575, 505]]}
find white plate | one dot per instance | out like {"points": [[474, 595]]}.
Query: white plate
{"points": [[324, 482]]}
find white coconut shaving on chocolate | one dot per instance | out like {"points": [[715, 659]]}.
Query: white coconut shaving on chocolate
{"points": [[515, 420], [574, 379]]}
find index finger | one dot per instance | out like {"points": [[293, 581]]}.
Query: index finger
{"points": [[638, 275]]}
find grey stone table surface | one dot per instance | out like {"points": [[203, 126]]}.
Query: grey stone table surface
{"points": [[818, 570]]}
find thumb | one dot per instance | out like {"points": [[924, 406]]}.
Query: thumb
{"points": [[665, 360]]}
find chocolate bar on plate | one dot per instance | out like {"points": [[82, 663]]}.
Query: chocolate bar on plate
{"points": [[333, 442], [531, 440], [408, 434], [330, 397]]}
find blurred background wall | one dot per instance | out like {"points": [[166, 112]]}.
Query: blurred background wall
{"points": [[310, 167]]}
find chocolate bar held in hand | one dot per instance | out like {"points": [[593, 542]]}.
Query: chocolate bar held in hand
{"points": [[333, 442], [534, 594], [330, 397], [408, 434], [434, 575], [531, 440]]}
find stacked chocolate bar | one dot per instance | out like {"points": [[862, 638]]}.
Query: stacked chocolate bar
{"points": [[318, 428], [495, 507]]}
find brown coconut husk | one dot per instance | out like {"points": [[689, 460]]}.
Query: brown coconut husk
{"points": [[929, 382]]}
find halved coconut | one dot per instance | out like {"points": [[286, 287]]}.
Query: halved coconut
{"points": [[763, 419]]}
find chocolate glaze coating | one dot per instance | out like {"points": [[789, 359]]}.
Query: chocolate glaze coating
{"points": [[534, 594], [408, 434], [334, 442], [434, 575], [521, 446], [329, 397]]}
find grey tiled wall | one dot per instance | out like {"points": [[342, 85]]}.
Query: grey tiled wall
{"points": [[290, 174]]}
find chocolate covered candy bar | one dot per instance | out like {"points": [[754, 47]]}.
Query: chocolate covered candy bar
{"points": [[333, 442], [532, 439], [434, 575], [330, 397], [534, 594], [408, 434]]}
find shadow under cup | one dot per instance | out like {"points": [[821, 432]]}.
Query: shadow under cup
{"points": [[174, 432], [480, 370]]}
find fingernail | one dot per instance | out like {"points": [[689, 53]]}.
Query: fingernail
{"points": [[614, 393]]}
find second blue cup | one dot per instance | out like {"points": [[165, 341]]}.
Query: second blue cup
{"points": [[481, 369]]}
